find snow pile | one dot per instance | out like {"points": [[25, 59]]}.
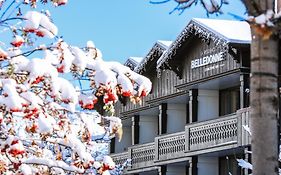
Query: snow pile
{"points": [[52, 163], [247, 128], [40, 24], [244, 164]]}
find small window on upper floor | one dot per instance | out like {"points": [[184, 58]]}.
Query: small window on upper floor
{"points": [[229, 100]]}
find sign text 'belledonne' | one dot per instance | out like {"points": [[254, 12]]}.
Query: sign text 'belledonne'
{"points": [[207, 60]]}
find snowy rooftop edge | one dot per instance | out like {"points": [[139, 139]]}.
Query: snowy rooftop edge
{"points": [[233, 31], [164, 43], [136, 59]]}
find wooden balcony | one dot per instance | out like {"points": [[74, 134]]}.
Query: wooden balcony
{"points": [[120, 158], [142, 156], [171, 146], [212, 133], [198, 138]]}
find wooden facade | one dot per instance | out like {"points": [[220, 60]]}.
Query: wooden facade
{"points": [[186, 75]]}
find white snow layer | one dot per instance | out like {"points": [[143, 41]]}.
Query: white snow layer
{"points": [[52, 163], [234, 31], [39, 21]]}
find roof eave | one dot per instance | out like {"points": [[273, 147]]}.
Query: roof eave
{"points": [[184, 37], [157, 50]]}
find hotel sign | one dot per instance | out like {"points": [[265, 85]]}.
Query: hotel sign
{"points": [[210, 59]]}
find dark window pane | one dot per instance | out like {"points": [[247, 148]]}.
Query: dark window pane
{"points": [[229, 100]]}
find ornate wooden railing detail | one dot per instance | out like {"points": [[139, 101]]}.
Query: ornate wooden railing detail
{"points": [[170, 146], [201, 137], [120, 158], [142, 156], [212, 133]]}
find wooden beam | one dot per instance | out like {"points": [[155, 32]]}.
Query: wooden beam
{"points": [[162, 119], [112, 145], [135, 129], [193, 170], [244, 90], [193, 105], [162, 170]]}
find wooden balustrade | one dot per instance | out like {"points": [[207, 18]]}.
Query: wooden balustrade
{"points": [[120, 158], [205, 135], [212, 133], [142, 155], [170, 146]]}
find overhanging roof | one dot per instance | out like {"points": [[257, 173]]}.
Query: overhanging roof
{"points": [[221, 32], [232, 31], [153, 55]]}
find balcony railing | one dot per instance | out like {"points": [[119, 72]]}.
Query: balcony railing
{"points": [[120, 158], [212, 135], [142, 155], [170, 146]]}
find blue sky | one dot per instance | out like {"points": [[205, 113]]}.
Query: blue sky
{"points": [[124, 28]]}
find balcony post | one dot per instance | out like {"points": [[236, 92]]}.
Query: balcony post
{"points": [[112, 145], [130, 157], [193, 105], [186, 136], [240, 131], [162, 170], [248, 159], [135, 129], [244, 90], [162, 119], [279, 93], [193, 170], [156, 147], [192, 115]]}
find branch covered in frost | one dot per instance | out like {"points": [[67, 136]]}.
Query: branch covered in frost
{"points": [[211, 6], [57, 109], [52, 164], [244, 164]]}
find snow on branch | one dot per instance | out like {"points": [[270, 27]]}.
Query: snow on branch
{"points": [[265, 23], [244, 164], [52, 163], [211, 6], [57, 109]]}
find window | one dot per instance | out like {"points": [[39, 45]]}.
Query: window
{"points": [[229, 100]]}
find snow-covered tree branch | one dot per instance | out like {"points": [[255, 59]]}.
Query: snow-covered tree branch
{"points": [[52, 106]]}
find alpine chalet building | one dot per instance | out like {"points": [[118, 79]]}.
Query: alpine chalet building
{"points": [[193, 120]]}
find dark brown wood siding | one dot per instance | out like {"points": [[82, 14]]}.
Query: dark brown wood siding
{"points": [[165, 85], [200, 49]]}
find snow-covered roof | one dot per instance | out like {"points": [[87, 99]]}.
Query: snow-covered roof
{"points": [[221, 32], [155, 52], [132, 62], [137, 60], [165, 44], [233, 31]]}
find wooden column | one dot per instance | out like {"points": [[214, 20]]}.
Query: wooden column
{"points": [[193, 105], [162, 119], [193, 170], [112, 145], [162, 170], [247, 157], [135, 129], [279, 86], [244, 90]]}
